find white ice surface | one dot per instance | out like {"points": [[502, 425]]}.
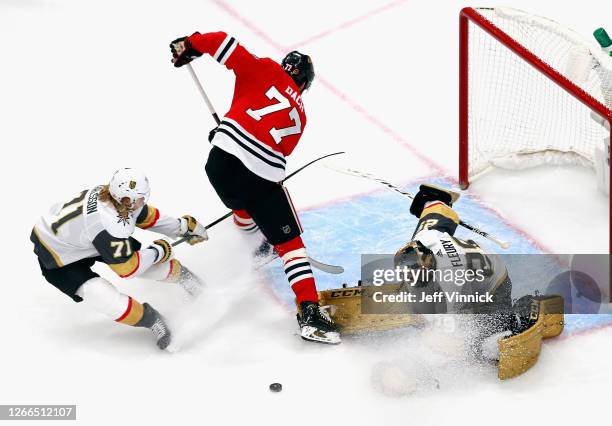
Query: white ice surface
{"points": [[87, 87]]}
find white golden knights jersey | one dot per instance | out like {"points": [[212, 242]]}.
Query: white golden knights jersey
{"points": [[85, 227], [453, 257]]}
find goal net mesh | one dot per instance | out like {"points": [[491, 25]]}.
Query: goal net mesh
{"points": [[517, 116]]}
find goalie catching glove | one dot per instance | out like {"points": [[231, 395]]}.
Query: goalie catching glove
{"points": [[183, 52], [430, 193], [192, 229]]}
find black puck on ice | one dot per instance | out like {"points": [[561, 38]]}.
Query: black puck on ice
{"points": [[276, 387]]}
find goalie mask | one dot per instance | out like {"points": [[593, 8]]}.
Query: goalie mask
{"points": [[415, 255]]}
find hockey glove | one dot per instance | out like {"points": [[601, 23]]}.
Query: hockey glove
{"points": [[164, 250], [183, 52], [429, 193], [193, 229]]}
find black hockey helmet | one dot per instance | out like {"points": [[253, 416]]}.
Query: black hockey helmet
{"points": [[299, 67]]}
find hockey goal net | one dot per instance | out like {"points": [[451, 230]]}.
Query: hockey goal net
{"points": [[532, 92]]}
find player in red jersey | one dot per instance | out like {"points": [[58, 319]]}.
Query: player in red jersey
{"points": [[248, 158]]}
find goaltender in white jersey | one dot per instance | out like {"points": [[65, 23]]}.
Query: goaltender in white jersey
{"points": [[97, 226], [470, 280]]}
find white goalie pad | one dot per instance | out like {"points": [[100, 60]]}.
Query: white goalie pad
{"points": [[602, 166]]}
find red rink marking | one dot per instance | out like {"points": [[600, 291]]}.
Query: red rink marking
{"points": [[348, 23], [247, 23], [437, 169]]}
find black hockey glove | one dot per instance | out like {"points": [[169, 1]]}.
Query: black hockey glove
{"points": [[183, 52], [525, 314], [211, 134], [427, 193]]}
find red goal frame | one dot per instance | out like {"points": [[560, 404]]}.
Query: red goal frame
{"points": [[470, 15]]}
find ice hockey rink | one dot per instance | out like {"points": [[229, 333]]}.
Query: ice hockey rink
{"points": [[88, 87]]}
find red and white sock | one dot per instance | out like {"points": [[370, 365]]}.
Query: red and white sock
{"points": [[244, 221], [298, 270]]}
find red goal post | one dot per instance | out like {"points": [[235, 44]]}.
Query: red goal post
{"points": [[481, 20]]}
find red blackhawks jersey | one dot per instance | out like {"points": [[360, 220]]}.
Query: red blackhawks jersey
{"points": [[267, 118]]}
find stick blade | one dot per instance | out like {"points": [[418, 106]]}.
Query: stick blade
{"points": [[330, 269]]}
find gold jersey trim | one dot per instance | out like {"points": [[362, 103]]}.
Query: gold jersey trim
{"points": [[46, 246], [441, 209], [150, 219], [128, 267]]}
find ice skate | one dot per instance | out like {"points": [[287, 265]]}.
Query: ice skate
{"points": [[153, 320], [190, 283], [263, 254], [316, 324]]}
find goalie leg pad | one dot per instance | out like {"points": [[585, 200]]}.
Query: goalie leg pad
{"points": [[552, 307], [602, 166], [520, 352], [348, 311]]}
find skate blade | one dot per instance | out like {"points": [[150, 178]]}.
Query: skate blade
{"points": [[173, 347], [192, 285], [330, 337], [191, 294], [261, 261]]}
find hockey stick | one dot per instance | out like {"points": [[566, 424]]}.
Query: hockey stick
{"points": [[196, 80], [216, 117], [323, 267], [502, 244], [330, 269], [228, 214]]}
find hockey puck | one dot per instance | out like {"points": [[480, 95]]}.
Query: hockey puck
{"points": [[276, 387]]}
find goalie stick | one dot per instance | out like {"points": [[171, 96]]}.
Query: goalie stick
{"points": [[502, 244]]}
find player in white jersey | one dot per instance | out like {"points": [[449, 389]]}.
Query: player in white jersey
{"points": [[461, 265], [468, 280], [97, 226]]}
